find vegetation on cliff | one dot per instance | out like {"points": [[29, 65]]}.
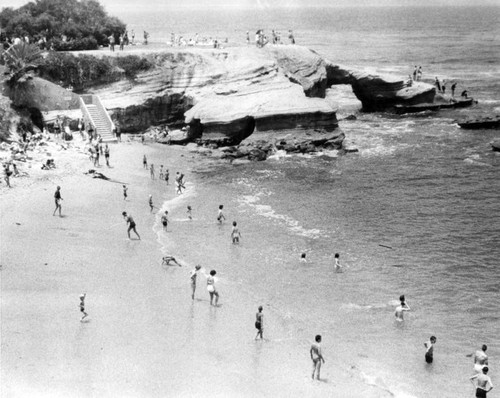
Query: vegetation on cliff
{"points": [[61, 24], [85, 71]]}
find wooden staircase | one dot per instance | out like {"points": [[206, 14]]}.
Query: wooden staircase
{"points": [[95, 115]]}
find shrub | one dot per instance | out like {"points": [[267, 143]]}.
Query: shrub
{"points": [[132, 64]]}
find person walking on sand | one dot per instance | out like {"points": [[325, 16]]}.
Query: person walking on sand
{"points": [[220, 215], [82, 306], [164, 220], [483, 383], [150, 201], [235, 233], [167, 176], [259, 323], [189, 209], [317, 357], [152, 171], [401, 308], [211, 288], [145, 162], [125, 192], [193, 276], [131, 224], [106, 154], [429, 353], [58, 198]]}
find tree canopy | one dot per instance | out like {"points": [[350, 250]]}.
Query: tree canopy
{"points": [[62, 24]]}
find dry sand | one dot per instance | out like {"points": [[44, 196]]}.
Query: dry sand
{"points": [[144, 336]]}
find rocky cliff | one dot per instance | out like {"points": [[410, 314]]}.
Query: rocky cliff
{"points": [[226, 94]]}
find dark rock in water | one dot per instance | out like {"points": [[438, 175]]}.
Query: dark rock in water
{"points": [[487, 122], [257, 155], [495, 145], [350, 117]]}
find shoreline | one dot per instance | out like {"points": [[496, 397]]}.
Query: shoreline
{"points": [[144, 335]]}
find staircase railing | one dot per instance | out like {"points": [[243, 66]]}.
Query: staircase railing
{"points": [[89, 99]]}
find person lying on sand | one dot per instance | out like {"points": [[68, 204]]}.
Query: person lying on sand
{"points": [[169, 259]]}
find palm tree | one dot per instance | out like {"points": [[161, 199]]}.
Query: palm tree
{"points": [[20, 59]]}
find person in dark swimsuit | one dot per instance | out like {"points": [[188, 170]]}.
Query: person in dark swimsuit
{"points": [[82, 307], [58, 198], [259, 323], [129, 220]]}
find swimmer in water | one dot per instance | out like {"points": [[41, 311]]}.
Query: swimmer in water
{"points": [[401, 308], [235, 233], [480, 359], [303, 258], [338, 267], [164, 220], [429, 354]]}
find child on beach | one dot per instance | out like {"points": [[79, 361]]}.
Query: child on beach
{"points": [[193, 276], [125, 192], [151, 207], [129, 220], [220, 216], [164, 220], [189, 212], [82, 306], [58, 198], [211, 288], [429, 353], [235, 233], [259, 323]]}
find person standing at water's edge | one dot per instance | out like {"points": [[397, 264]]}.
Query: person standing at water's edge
{"points": [[484, 384], [164, 220], [82, 306], [211, 288], [316, 357], [125, 192], [259, 323], [401, 308], [193, 276], [57, 198], [131, 224], [429, 354]]}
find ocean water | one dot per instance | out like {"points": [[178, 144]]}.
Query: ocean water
{"points": [[419, 185]]}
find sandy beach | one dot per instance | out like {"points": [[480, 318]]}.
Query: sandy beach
{"points": [[144, 336]]}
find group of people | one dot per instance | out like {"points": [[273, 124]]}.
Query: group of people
{"points": [[483, 381], [261, 38]]}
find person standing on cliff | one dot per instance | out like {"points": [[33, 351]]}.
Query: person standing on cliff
{"points": [[415, 73], [419, 73], [453, 87], [111, 39]]}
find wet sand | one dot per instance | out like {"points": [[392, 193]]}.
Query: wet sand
{"points": [[144, 336]]}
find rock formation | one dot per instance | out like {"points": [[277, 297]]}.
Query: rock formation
{"points": [[227, 94]]}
